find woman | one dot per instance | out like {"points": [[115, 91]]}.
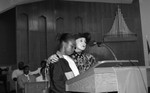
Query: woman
{"points": [[44, 77], [63, 69], [82, 59], [38, 71]]}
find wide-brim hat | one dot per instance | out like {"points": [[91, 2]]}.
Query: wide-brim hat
{"points": [[85, 35]]}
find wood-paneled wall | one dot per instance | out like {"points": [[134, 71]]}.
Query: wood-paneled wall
{"points": [[8, 38], [39, 23], [35, 38]]}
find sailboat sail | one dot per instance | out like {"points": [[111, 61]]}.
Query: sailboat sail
{"points": [[119, 27]]}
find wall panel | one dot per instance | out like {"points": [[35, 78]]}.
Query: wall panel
{"points": [[23, 38], [8, 38]]}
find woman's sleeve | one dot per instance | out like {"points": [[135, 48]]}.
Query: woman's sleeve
{"points": [[35, 72], [91, 60]]}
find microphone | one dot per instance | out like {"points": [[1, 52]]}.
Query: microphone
{"points": [[92, 43], [101, 44]]}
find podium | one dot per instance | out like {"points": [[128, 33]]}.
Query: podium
{"points": [[36, 87], [108, 79]]}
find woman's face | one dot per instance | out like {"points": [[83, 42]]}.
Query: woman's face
{"points": [[70, 47], [81, 43]]}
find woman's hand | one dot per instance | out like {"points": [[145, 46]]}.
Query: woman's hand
{"points": [[53, 58]]}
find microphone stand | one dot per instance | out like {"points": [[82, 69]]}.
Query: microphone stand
{"points": [[108, 47], [101, 44]]}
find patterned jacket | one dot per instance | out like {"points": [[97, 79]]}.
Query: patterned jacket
{"points": [[83, 61]]}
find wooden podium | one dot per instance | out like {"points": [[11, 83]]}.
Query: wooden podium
{"points": [[36, 87], [107, 79]]}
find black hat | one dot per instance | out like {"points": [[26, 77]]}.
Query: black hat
{"points": [[86, 35]]}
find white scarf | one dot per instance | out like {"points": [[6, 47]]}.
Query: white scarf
{"points": [[28, 78], [72, 65]]}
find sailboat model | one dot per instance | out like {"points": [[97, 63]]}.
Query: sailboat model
{"points": [[119, 30]]}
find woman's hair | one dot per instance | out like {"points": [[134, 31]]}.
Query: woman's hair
{"points": [[42, 69], [65, 37]]}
